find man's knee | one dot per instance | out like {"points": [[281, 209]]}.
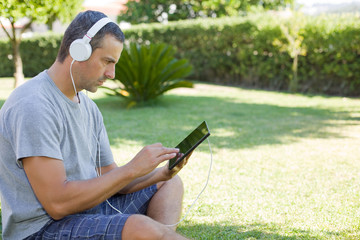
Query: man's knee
{"points": [[175, 183], [140, 227]]}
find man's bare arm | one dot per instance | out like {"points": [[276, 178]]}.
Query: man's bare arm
{"points": [[156, 176], [61, 197]]}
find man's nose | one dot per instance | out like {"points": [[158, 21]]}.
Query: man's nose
{"points": [[110, 72]]}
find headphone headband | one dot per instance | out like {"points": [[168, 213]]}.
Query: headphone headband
{"points": [[95, 28], [80, 49]]}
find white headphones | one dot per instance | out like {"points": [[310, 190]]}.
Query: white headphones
{"points": [[80, 49]]}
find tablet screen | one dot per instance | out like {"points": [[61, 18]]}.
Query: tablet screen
{"points": [[190, 143]]}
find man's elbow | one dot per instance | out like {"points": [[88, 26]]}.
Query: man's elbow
{"points": [[56, 211]]}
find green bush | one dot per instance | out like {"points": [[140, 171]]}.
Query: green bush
{"points": [[6, 67], [333, 56], [248, 51], [37, 53], [145, 72]]}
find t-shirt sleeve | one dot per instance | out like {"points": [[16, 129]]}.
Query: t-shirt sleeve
{"points": [[35, 131]]}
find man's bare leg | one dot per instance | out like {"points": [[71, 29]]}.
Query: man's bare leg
{"points": [[139, 227], [166, 205], [164, 208]]}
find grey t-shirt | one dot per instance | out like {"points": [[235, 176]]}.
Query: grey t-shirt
{"points": [[39, 120]]}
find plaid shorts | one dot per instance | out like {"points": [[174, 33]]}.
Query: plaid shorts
{"points": [[100, 222]]}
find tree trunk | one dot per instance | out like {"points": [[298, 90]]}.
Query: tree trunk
{"points": [[18, 65], [293, 87]]}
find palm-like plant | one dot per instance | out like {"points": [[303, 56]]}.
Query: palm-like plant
{"points": [[145, 72]]}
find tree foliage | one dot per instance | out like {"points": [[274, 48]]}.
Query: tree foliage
{"points": [[147, 11], [40, 11]]}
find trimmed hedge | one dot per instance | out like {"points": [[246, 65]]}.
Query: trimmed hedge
{"points": [[247, 51], [242, 51], [332, 62], [37, 53]]}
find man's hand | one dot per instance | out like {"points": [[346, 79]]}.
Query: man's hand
{"points": [[144, 167], [150, 157], [171, 173]]}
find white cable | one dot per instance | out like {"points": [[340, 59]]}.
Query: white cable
{"points": [[187, 212], [207, 181], [97, 142], [107, 201], [99, 163], [72, 79], [99, 173]]}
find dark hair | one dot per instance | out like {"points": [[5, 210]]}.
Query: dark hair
{"points": [[79, 27]]}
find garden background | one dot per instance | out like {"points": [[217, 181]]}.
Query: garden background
{"points": [[284, 140]]}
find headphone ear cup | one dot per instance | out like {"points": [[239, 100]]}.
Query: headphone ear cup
{"points": [[80, 50]]}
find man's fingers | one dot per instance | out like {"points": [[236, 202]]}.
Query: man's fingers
{"points": [[165, 157], [159, 153], [163, 151], [185, 161], [158, 149]]}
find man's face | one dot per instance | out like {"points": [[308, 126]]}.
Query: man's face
{"points": [[100, 66]]}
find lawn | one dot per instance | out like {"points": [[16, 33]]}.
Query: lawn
{"points": [[285, 166]]}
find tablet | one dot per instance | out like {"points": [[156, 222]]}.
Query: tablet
{"points": [[190, 143]]}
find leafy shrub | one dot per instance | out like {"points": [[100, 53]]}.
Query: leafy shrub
{"points": [[145, 72], [37, 53], [249, 51]]}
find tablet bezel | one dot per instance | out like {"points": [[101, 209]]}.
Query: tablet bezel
{"points": [[199, 141]]}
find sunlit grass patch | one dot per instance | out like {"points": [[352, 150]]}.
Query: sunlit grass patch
{"points": [[285, 166]]}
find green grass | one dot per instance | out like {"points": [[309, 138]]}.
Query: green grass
{"points": [[286, 166]]}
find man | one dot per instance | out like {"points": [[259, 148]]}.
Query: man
{"points": [[56, 167]]}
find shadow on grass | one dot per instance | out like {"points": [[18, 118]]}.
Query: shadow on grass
{"points": [[233, 125], [256, 231]]}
